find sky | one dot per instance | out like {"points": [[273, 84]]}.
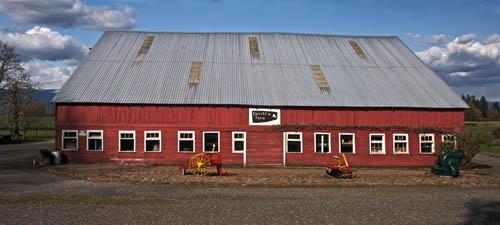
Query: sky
{"points": [[458, 39]]}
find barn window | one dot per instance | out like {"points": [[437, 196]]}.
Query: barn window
{"points": [[449, 139], [211, 141], [152, 141], [186, 141], [426, 143], [94, 140], [239, 141], [355, 46], [70, 140], [127, 141], [293, 142], [377, 143], [322, 141], [346, 143], [400, 143]]}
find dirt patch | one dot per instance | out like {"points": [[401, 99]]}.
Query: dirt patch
{"points": [[139, 173]]}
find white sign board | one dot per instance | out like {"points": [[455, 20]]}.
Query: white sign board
{"points": [[264, 116], [82, 133]]}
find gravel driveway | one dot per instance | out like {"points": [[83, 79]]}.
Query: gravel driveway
{"points": [[30, 196]]}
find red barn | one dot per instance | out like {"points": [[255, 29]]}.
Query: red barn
{"points": [[259, 98]]}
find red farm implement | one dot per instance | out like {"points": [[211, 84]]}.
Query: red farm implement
{"points": [[340, 170], [200, 164]]}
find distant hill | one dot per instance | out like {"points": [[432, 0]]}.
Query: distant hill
{"points": [[45, 95]]}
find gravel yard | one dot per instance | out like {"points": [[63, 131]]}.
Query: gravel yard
{"points": [[30, 196], [274, 177]]}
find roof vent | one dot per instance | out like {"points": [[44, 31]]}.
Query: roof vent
{"points": [[320, 77], [146, 45], [254, 46], [356, 48], [195, 74]]}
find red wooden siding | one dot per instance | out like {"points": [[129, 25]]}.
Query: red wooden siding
{"points": [[264, 147]]}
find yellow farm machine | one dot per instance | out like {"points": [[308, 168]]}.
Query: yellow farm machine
{"points": [[340, 170], [200, 164]]}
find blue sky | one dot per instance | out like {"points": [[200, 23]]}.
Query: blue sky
{"points": [[458, 39]]}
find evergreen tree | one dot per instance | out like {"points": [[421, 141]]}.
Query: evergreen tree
{"points": [[483, 107]]}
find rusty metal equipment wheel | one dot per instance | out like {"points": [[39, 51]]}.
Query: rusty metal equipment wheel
{"points": [[200, 164]]}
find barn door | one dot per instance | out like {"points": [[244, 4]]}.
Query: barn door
{"points": [[292, 144], [240, 144]]}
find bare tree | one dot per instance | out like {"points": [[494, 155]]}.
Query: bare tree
{"points": [[10, 66], [16, 89]]}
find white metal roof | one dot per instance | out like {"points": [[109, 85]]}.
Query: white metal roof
{"points": [[390, 76]]}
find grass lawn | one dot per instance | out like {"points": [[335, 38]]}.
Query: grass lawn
{"points": [[42, 129], [47, 122], [484, 127]]}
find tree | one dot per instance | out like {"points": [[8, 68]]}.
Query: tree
{"points": [[470, 143], [472, 113], [16, 89], [493, 114], [32, 114], [10, 66], [483, 107]]}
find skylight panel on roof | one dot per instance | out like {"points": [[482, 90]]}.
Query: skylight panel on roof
{"points": [[320, 77], [357, 48], [146, 45], [195, 74], [254, 46]]}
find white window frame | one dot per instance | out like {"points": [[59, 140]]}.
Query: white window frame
{"points": [[218, 141], [62, 140], [353, 143], [152, 139], [244, 139], [322, 148], [179, 139], [448, 135], [94, 138], [301, 142], [382, 142], [394, 141], [420, 143], [120, 138]]}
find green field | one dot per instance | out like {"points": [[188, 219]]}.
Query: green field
{"points": [[41, 129], [45, 122], [484, 128]]}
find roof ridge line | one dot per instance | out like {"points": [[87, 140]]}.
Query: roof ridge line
{"points": [[282, 33]]}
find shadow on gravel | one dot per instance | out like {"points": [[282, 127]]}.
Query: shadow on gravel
{"points": [[24, 174], [483, 212], [479, 166]]}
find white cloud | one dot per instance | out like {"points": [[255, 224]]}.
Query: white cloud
{"points": [[437, 39], [413, 36], [468, 65], [68, 13], [48, 75], [45, 44], [492, 39], [466, 38]]}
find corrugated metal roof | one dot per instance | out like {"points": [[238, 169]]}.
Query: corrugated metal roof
{"points": [[391, 75]]}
